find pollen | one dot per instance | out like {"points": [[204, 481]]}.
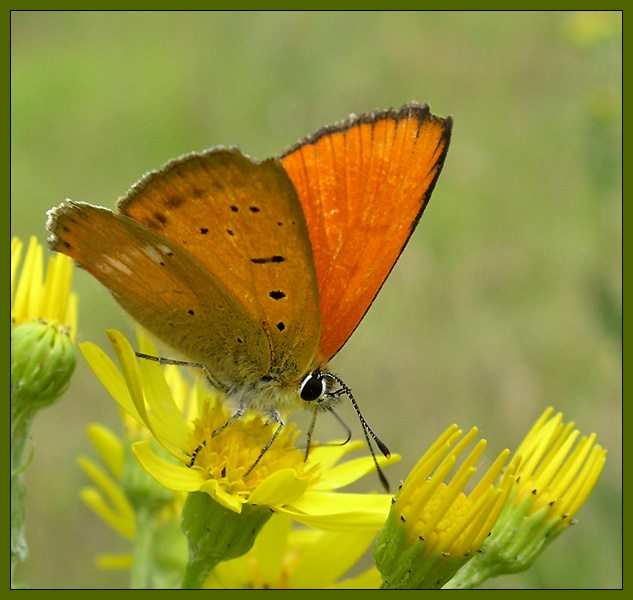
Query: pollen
{"points": [[229, 455]]}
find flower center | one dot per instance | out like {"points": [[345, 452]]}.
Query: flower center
{"points": [[229, 456]]}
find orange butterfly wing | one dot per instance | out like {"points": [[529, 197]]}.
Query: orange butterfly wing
{"points": [[242, 220], [212, 255], [363, 185], [175, 301]]}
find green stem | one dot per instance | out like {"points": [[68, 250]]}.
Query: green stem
{"points": [[142, 563], [20, 425], [197, 573], [472, 576]]}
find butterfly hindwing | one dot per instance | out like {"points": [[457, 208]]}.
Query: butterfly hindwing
{"points": [[163, 287]]}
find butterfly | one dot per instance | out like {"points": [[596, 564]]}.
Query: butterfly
{"points": [[259, 271]]}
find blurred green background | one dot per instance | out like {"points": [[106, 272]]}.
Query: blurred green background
{"points": [[508, 297]]}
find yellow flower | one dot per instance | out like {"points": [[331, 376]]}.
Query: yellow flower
{"points": [[227, 500], [554, 478], [34, 298], [284, 557], [181, 420], [434, 527], [106, 498], [43, 321], [552, 481]]}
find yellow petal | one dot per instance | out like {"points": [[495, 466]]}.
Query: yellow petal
{"points": [[369, 580], [115, 561], [336, 511], [29, 288], [233, 574], [322, 563], [16, 257], [229, 501], [165, 421], [124, 525], [328, 455], [179, 479], [57, 287], [271, 545], [109, 487], [130, 370], [110, 378], [282, 487], [108, 446], [351, 471], [166, 416]]}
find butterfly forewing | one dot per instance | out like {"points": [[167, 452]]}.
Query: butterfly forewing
{"points": [[243, 221], [363, 186]]}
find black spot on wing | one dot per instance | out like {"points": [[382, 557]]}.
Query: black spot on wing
{"points": [[156, 221], [268, 259], [174, 202], [276, 294]]}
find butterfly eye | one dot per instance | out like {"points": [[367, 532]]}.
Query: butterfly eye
{"points": [[312, 387]]}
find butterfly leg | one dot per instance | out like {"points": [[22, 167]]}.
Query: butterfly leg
{"points": [[185, 363], [274, 414], [195, 453], [309, 434], [277, 418], [238, 413]]}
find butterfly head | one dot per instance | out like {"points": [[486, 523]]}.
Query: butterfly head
{"points": [[322, 390], [315, 390]]}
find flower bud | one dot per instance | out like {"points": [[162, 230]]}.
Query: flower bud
{"points": [[42, 362]]}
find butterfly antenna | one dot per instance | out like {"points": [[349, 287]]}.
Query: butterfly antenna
{"points": [[367, 430]]}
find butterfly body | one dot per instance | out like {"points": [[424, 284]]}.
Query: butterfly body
{"points": [[260, 271]]}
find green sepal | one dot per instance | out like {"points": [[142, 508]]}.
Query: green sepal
{"points": [[43, 359], [216, 534], [516, 540]]}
